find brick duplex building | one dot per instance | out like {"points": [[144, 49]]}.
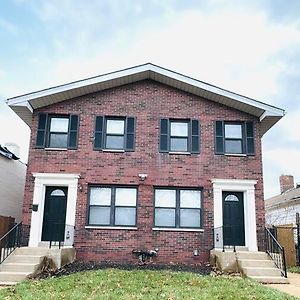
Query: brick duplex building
{"points": [[144, 158]]}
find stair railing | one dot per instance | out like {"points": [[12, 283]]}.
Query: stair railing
{"points": [[10, 241], [276, 252], [227, 230], [56, 239]]}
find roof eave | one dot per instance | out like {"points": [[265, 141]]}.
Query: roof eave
{"points": [[25, 104]]}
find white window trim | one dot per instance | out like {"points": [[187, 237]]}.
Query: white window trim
{"points": [[42, 180], [248, 189]]}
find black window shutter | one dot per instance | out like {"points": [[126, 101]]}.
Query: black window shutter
{"points": [[41, 131], [250, 145], [195, 136], [164, 135], [219, 137], [73, 132], [130, 134], [98, 138]]}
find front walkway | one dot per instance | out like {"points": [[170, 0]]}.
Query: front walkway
{"points": [[293, 288]]}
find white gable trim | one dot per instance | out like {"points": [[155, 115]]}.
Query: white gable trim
{"points": [[147, 71]]}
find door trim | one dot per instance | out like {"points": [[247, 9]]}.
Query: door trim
{"points": [[51, 179], [248, 189]]}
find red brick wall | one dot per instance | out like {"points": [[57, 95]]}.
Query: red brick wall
{"points": [[148, 101]]}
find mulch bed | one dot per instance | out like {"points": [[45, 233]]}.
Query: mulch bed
{"points": [[78, 266]]}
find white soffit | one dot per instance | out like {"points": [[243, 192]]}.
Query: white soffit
{"points": [[24, 104]]}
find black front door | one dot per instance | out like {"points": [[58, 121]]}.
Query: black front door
{"points": [[233, 219], [54, 214]]}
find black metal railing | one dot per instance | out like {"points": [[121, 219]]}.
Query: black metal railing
{"points": [[275, 251], [59, 239], [228, 236], [10, 241]]}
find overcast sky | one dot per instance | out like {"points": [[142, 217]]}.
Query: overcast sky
{"points": [[249, 47]]}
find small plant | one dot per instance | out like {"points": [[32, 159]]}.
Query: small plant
{"points": [[295, 269]]}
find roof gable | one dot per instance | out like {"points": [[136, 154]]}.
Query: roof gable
{"points": [[25, 104]]}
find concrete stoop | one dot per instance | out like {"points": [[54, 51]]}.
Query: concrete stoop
{"points": [[259, 266], [255, 265], [26, 261]]}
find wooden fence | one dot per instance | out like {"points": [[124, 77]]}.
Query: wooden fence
{"points": [[6, 223]]}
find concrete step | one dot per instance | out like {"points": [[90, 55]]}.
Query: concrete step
{"points": [[261, 271], [268, 263], [252, 255], [13, 276], [7, 283], [237, 248], [30, 259], [270, 279], [34, 251], [19, 267]]}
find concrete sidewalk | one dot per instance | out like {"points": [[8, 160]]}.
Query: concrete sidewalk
{"points": [[293, 288]]}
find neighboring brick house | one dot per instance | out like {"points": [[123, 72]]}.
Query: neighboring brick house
{"points": [[281, 209], [144, 158], [12, 183]]}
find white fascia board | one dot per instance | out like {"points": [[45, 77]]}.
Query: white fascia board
{"points": [[77, 84], [217, 90], [272, 113], [144, 68]]}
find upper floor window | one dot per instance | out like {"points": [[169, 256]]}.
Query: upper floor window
{"points": [[234, 138], [177, 208], [57, 131], [114, 133], [179, 135], [112, 206]]}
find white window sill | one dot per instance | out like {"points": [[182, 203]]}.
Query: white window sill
{"points": [[57, 149], [180, 153], [236, 154], [177, 229], [113, 150], [111, 227]]}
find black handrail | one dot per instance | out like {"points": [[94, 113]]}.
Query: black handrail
{"points": [[276, 252], [218, 235], [10, 241], [57, 238]]}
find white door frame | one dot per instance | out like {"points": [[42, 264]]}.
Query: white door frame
{"points": [[42, 180], [248, 189]]}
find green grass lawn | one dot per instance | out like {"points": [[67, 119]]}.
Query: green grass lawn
{"points": [[141, 284]]}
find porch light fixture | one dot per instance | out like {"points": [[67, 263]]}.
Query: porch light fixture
{"points": [[143, 176]]}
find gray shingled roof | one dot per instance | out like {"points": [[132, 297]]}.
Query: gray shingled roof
{"points": [[284, 199]]}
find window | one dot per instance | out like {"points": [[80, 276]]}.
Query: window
{"points": [[56, 131], [114, 138], [114, 133], [112, 206], [179, 135], [234, 138], [177, 208]]}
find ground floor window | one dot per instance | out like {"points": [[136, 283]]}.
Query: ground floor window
{"points": [[112, 206], [177, 208]]}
